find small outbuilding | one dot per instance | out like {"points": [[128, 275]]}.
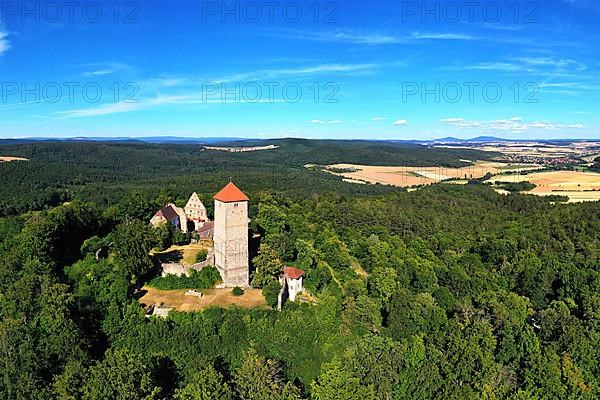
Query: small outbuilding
{"points": [[291, 281]]}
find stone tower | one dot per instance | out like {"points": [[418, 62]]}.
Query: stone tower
{"points": [[231, 236]]}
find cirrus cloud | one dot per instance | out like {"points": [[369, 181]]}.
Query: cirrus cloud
{"points": [[514, 125], [4, 42]]}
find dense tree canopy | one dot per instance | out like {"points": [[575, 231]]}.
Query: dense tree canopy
{"points": [[448, 292]]}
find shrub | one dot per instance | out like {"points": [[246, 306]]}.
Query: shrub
{"points": [[516, 186], [204, 279], [271, 293], [237, 291], [180, 238], [201, 256]]}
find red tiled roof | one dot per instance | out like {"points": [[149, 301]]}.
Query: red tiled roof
{"points": [[230, 194], [293, 273]]}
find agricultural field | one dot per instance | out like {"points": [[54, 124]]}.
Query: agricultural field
{"points": [[9, 159], [577, 185], [242, 149], [582, 149], [177, 299], [406, 176]]}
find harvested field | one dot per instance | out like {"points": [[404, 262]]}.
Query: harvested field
{"points": [[415, 176], [9, 159], [252, 298], [536, 149], [242, 149], [578, 186]]}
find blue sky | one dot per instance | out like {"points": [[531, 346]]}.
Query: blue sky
{"points": [[317, 69]]}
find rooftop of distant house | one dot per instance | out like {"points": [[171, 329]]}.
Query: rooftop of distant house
{"points": [[168, 212]]}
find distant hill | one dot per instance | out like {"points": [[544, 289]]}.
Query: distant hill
{"points": [[237, 141], [478, 139], [105, 171], [481, 139], [145, 139], [307, 151]]}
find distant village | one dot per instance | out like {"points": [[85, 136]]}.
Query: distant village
{"points": [[563, 160]]}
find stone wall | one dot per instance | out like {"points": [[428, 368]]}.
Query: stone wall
{"points": [[181, 270]]}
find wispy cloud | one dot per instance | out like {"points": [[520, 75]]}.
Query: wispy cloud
{"points": [[297, 72], [181, 90], [4, 42], [441, 36], [124, 107], [105, 68], [326, 122], [560, 85], [499, 66], [308, 71], [401, 122], [344, 36], [546, 68], [514, 125], [553, 62], [99, 72], [367, 37], [379, 118]]}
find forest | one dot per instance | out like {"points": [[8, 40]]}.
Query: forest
{"points": [[103, 172], [446, 292]]}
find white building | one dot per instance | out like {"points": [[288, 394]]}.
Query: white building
{"points": [[291, 281], [196, 212]]}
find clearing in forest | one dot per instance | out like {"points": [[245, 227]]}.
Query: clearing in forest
{"points": [[252, 298], [9, 159], [242, 149]]}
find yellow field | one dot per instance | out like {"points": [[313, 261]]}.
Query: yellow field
{"points": [[252, 298], [537, 149], [9, 159], [578, 186], [414, 176]]}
